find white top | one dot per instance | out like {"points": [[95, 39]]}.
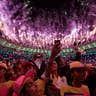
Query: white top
{"points": [[58, 82], [38, 62], [61, 82]]}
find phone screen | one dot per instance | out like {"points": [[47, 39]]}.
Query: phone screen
{"points": [[57, 42]]}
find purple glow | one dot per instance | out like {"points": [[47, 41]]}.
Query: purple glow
{"points": [[44, 29]]}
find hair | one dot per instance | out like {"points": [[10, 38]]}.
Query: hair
{"points": [[57, 59], [22, 92], [72, 70], [3, 68], [57, 66], [8, 75]]}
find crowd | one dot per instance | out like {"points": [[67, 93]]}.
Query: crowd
{"points": [[40, 77]]}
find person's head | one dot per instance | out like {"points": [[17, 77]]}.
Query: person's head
{"points": [[24, 86], [3, 69], [9, 76], [77, 72], [3, 61], [27, 87], [17, 67], [27, 66], [60, 61], [54, 66]]}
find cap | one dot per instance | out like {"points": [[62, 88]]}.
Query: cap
{"points": [[76, 64], [3, 65]]}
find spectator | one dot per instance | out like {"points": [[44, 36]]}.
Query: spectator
{"points": [[76, 86], [24, 86], [3, 71]]}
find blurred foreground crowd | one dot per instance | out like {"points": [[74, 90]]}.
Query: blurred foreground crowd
{"points": [[41, 77]]}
